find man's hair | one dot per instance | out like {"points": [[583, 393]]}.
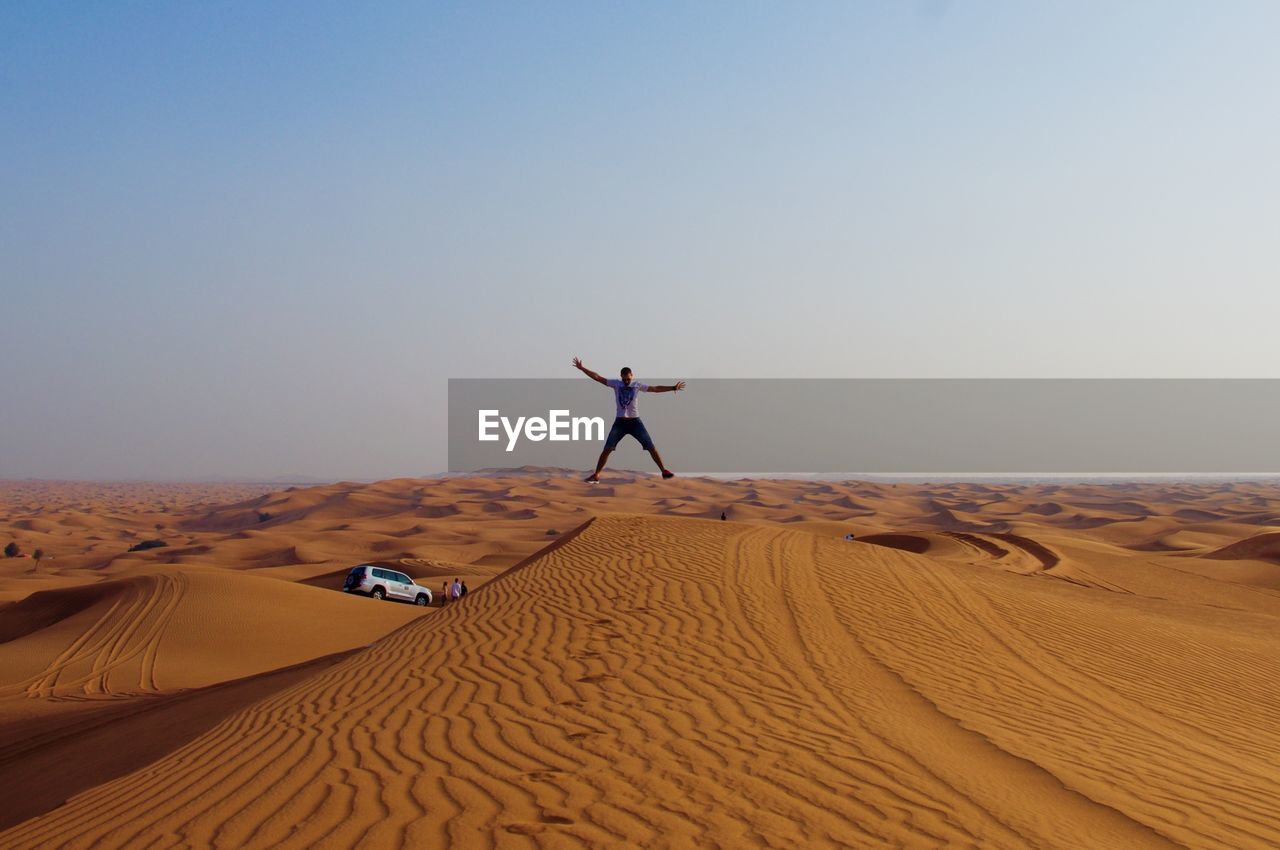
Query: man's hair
{"points": [[626, 370]]}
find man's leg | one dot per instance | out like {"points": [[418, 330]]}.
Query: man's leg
{"points": [[604, 456], [646, 442], [657, 458], [616, 433]]}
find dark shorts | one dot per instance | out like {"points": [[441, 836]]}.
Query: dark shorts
{"points": [[623, 427]]}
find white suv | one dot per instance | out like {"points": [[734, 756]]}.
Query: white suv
{"points": [[381, 583]]}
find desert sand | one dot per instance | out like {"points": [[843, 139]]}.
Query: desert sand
{"points": [[984, 665]]}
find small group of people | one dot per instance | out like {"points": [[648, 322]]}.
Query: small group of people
{"points": [[453, 591]]}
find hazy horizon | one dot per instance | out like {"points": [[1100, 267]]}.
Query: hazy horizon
{"points": [[242, 242]]}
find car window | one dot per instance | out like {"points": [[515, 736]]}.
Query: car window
{"points": [[380, 574], [404, 579]]}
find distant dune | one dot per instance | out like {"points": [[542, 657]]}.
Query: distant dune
{"points": [[1262, 547], [983, 665]]}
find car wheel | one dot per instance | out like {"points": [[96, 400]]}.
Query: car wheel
{"points": [[422, 600], [379, 594]]}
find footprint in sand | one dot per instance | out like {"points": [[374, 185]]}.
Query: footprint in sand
{"points": [[543, 775], [535, 828], [578, 736]]}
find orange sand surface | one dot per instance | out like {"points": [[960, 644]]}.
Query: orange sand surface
{"points": [[984, 665]]}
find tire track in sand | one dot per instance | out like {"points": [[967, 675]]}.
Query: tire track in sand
{"points": [[117, 653]]}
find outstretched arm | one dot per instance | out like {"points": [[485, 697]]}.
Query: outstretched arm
{"points": [[577, 364], [673, 388]]}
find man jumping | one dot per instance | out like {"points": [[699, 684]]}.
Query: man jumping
{"points": [[628, 421]]}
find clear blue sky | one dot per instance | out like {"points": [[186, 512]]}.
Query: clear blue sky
{"points": [[248, 239]]}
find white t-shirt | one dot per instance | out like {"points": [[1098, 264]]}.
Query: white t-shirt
{"points": [[626, 396]]}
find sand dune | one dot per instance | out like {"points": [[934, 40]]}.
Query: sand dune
{"points": [[985, 665], [672, 682], [102, 678], [46, 758], [176, 630], [1261, 547]]}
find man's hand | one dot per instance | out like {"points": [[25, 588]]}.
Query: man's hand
{"points": [[678, 387], [577, 364]]}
